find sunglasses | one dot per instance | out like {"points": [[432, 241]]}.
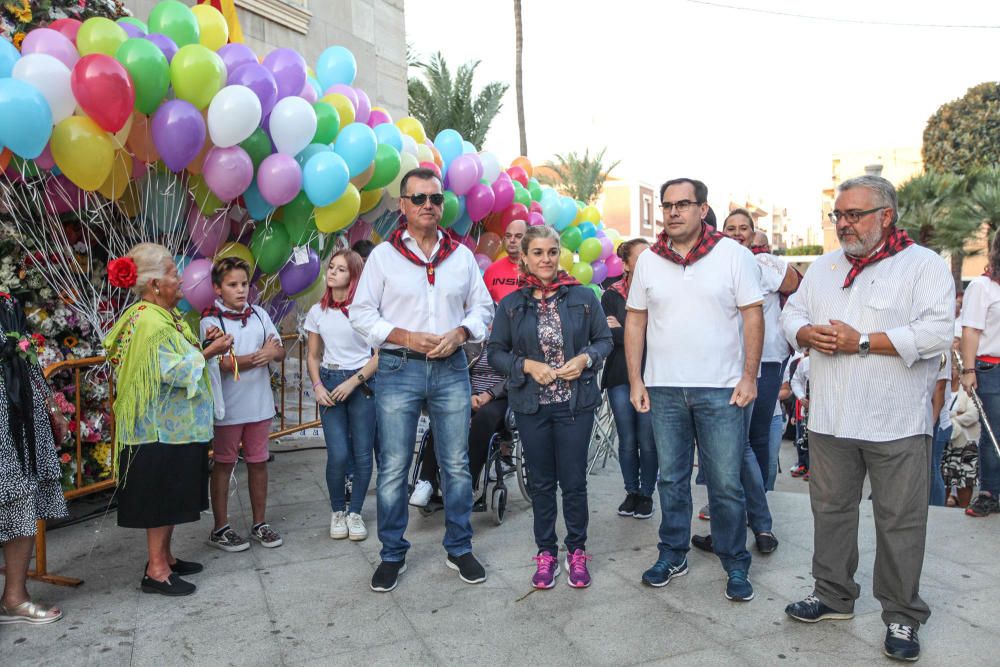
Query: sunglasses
{"points": [[437, 199]]}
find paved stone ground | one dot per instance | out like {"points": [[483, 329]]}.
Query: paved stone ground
{"points": [[308, 602]]}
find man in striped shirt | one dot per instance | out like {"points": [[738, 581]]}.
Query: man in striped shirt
{"points": [[877, 315]]}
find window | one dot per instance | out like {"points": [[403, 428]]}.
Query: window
{"points": [[293, 14], [646, 215]]}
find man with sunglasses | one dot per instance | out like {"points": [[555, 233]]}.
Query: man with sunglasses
{"points": [[877, 315], [420, 298]]}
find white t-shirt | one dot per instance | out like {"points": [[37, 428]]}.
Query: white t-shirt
{"points": [[250, 399], [772, 274], [693, 332], [981, 310], [944, 419], [342, 345]]}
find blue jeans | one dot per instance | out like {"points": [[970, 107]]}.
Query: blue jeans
{"points": [[404, 387], [941, 439], [768, 385], [988, 382], [777, 430], [555, 449], [636, 449], [349, 431], [679, 416]]}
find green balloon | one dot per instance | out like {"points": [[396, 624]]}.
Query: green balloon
{"points": [[596, 290], [387, 164], [136, 22], [149, 71], [300, 220], [522, 196], [204, 198], [270, 247], [257, 146], [176, 21], [535, 188], [197, 73], [449, 211], [327, 123], [27, 168], [571, 238], [590, 249], [583, 272]]}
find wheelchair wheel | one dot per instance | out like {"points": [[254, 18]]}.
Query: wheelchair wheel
{"points": [[499, 504], [522, 468], [418, 458]]}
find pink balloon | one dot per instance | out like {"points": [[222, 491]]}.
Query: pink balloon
{"points": [[68, 27], [536, 219], [347, 92], [503, 192], [378, 116], [432, 166], [196, 284], [52, 43], [139, 169], [479, 201], [207, 234], [614, 264], [600, 272], [279, 179], [309, 93], [45, 160], [228, 172], [462, 174], [483, 261], [364, 110], [535, 207], [62, 196]]}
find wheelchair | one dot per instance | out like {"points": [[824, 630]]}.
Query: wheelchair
{"points": [[499, 467]]}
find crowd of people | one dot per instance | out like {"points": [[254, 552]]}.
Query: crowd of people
{"points": [[693, 347]]}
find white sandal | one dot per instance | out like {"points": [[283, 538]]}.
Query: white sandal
{"points": [[29, 612]]}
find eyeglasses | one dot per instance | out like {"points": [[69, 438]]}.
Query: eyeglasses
{"points": [[852, 217], [681, 206], [437, 199]]}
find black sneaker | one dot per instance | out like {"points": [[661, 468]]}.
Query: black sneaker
{"points": [[469, 569], [766, 542], [703, 542], [387, 575], [643, 507], [174, 586], [901, 642], [812, 610], [627, 508], [983, 505]]}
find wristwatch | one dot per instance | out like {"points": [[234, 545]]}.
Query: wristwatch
{"points": [[590, 361], [361, 378], [864, 346]]}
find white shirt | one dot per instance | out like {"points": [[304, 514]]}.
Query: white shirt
{"points": [[772, 274], [910, 297], [250, 399], [944, 419], [981, 310], [693, 331], [343, 347], [394, 292], [800, 379]]}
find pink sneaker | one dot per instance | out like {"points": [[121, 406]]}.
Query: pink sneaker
{"points": [[576, 564], [548, 570]]}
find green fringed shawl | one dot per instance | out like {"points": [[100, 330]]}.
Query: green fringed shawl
{"points": [[133, 346]]}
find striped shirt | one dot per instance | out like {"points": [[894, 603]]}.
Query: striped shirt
{"points": [[910, 297], [482, 376]]}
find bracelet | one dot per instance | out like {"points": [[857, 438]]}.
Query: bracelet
{"points": [[317, 383], [968, 370]]}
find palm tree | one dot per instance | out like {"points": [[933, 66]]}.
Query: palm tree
{"points": [[441, 102], [580, 177], [518, 87]]}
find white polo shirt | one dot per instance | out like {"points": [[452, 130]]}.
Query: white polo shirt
{"points": [[981, 310], [694, 328], [343, 347], [772, 274]]}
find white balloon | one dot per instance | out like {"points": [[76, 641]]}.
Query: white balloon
{"points": [[409, 145], [406, 163], [233, 115], [491, 166], [52, 79], [293, 125]]}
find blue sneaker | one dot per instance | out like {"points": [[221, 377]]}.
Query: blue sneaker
{"points": [[901, 642], [663, 571], [811, 610], [738, 587]]}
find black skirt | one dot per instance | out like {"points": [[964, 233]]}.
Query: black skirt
{"points": [[162, 485]]}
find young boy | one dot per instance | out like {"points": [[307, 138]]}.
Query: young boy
{"points": [[248, 403]]}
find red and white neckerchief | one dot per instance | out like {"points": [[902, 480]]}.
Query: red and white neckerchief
{"points": [[897, 241], [709, 239], [446, 246]]}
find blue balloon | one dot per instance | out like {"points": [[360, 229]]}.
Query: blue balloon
{"points": [[461, 207], [357, 144], [310, 150], [325, 178], [8, 56], [467, 148], [567, 213], [449, 144], [587, 230], [387, 133], [256, 206], [312, 81], [462, 225], [25, 118], [336, 65]]}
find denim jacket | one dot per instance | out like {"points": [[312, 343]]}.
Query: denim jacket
{"points": [[515, 338]]}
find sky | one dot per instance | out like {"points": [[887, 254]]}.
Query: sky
{"points": [[752, 103]]}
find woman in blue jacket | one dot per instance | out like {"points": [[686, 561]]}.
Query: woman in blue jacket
{"points": [[550, 338]]}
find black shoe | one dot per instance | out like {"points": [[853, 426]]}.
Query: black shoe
{"points": [[901, 642], [812, 610], [766, 542], [469, 569], [387, 575], [983, 505], [173, 586], [643, 507], [184, 567], [627, 508], [703, 542]]}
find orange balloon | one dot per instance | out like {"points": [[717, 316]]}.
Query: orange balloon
{"points": [[489, 245], [361, 180], [4, 158], [140, 139], [438, 160], [494, 223], [523, 163]]}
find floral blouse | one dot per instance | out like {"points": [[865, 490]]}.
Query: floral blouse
{"points": [[550, 337], [185, 412]]}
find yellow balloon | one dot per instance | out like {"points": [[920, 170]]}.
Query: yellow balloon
{"points": [[212, 24], [591, 214], [203, 196], [121, 136], [269, 286], [100, 35], [83, 151], [370, 199], [343, 107], [617, 241], [415, 129], [376, 239], [565, 259], [121, 174], [237, 250], [341, 213]]}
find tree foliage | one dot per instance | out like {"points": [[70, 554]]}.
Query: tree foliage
{"points": [[441, 101], [964, 134], [579, 176]]}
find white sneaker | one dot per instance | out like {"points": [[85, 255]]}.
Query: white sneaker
{"points": [[421, 494], [356, 527], [338, 526]]}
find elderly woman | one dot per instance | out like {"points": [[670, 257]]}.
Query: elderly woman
{"points": [[163, 412], [550, 338], [29, 470]]}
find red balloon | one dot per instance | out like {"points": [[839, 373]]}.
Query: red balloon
{"points": [[518, 174], [68, 28], [516, 211], [535, 219], [103, 90], [433, 167], [535, 207]]}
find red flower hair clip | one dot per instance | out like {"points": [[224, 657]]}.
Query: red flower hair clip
{"points": [[122, 272]]}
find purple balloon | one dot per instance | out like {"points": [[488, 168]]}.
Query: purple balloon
{"points": [[207, 234], [600, 272], [132, 30], [51, 43], [378, 116], [347, 92], [479, 201], [607, 247], [259, 79], [279, 307], [289, 70], [164, 43], [503, 192], [196, 284], [364, 110], [178, 134], [228, 172], [463, 173], [279, 179], [236, 55], [296, 277]]}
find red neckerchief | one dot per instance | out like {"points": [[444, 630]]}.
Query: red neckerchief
{"points": [[760, 249], [215, 311], [447, 245], [621, 287], [897, 241], [562, 278], [708, 240], [342, 305], [4, 295]]}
